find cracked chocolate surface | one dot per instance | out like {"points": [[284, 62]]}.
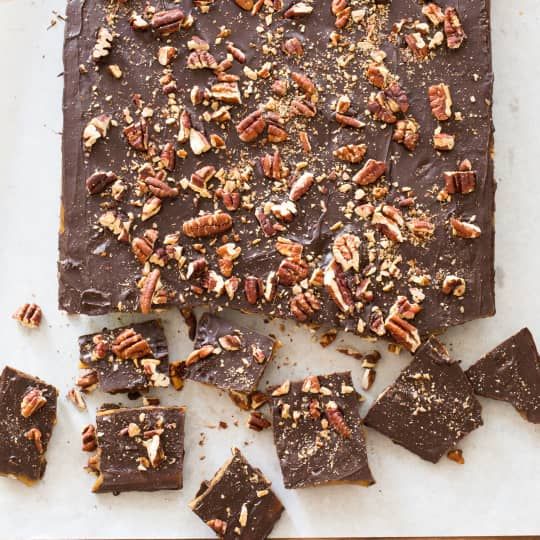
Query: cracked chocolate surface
{"points": [[133, 358], [430, 407], [128, 461], [101, 271], [318, 432], [238, 502], [511, 373], [25, 434]]}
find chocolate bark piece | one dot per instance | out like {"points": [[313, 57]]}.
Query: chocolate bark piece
{"points": [[318, 432], [28, 415], [238, 502], [140, 449], [127, 359], [228, 356], [250, 184], [430, 407], [511, 372]]}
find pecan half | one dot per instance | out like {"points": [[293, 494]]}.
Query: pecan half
{"points": [[201, 60], [253, 289], [304, 305], [143, 247], [297, 10], [32, 401], [267, 224], [301, 107], [160, 188], [301, 186], [89, 438], [453, 29], [272, 166], [464, 229], [337, 420], [34, 434], [336, 285], [346, 251], [149, 288], [370, 172], [292, 271], [352, 153], [342, 12], [251, 127], [77, 399], [168, 21], [207, 225], [403, 332], [87, 380], [304, 83], [28, 315], [99, 180], [440, 101], [130, 344]]}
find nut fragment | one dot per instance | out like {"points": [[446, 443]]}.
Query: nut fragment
{"points": [[257, 422], [96, 129], [455, 35], [440, 101], [32, 401], [149, 288], [292, 271], [336, 419], [434, 13], [407, 132], [464, 229], [89, 438], [444, 142], [352, 153], [230, 342], [346, 251], [155, 452], [368, 378], [462, 181], [283, 389], [417, 45], [218, 526], [454, 285], [34, 434], [301, 186], [298, 9], [99, 180], [207, 225], [77, 399], [137, 135], [304, 83], [304, 305], [168, 21], [403, 332], [253, 289], [103, 45], [457, 456], [292, 47], [370, 172], [28, 315], [337, 287]]}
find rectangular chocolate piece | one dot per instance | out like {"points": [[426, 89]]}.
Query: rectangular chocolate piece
{"points": [[27, 418], [511, 372], [128, 359], [238, 502], [318, 432], [140, 449], [228, 356], [430, 407], [208, 162]]}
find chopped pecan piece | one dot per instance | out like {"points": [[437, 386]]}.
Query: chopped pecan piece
{"points": [[96, 129], [453, 29], [137, 136], [350, 121], [434, 13], [421, 227], [130, 344], [230, 342], [301, 107], [440, 101], [251, 127], [342, 12], [28, 315], [218, 526], [253, 289], [454, 285], [198, 142], [267, 224], [99, 180], [200, 178], [304, 305], [389, 220], [292, 271], [246, 5], [272, 166], [370, 172], [298, 9], [150, 208], [207, 225], [337, 287], [77, 399], [444, 142], [89, 438], [118, 224], [166, 54], [34, 434], [143, 247], [168, 21], [346, 251], [378, 74], [87, 380], [293, 47], [352, 153], [199, 354], [288, 248], [257, 422], [201, 60], [304, 83], [407, 133], [103, 45], [301, 186], [227, 92], [462, 181], [336, 419], [32, 401], [279, 87], [464, 229], [417, 45]]}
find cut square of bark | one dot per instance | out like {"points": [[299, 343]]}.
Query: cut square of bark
{"points": [[430, 407], [131, 358], [318, 432], [511, 373], [140, 449], [238, 502], [28, 415]]}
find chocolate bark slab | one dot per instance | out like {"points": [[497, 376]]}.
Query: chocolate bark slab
{"points": [[318, 432], [161, 234], [140, 449], [228, 356], [511, 372], [238, 502], [430, 407], [127, 359], [28, 415]]}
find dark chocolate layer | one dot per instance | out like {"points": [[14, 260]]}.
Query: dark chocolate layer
{"points": [[511, 372]]}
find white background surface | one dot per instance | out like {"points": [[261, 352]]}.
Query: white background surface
{"points": [[496, 492]]}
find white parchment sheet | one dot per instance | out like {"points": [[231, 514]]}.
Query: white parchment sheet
{"points": [[496, 492]]}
